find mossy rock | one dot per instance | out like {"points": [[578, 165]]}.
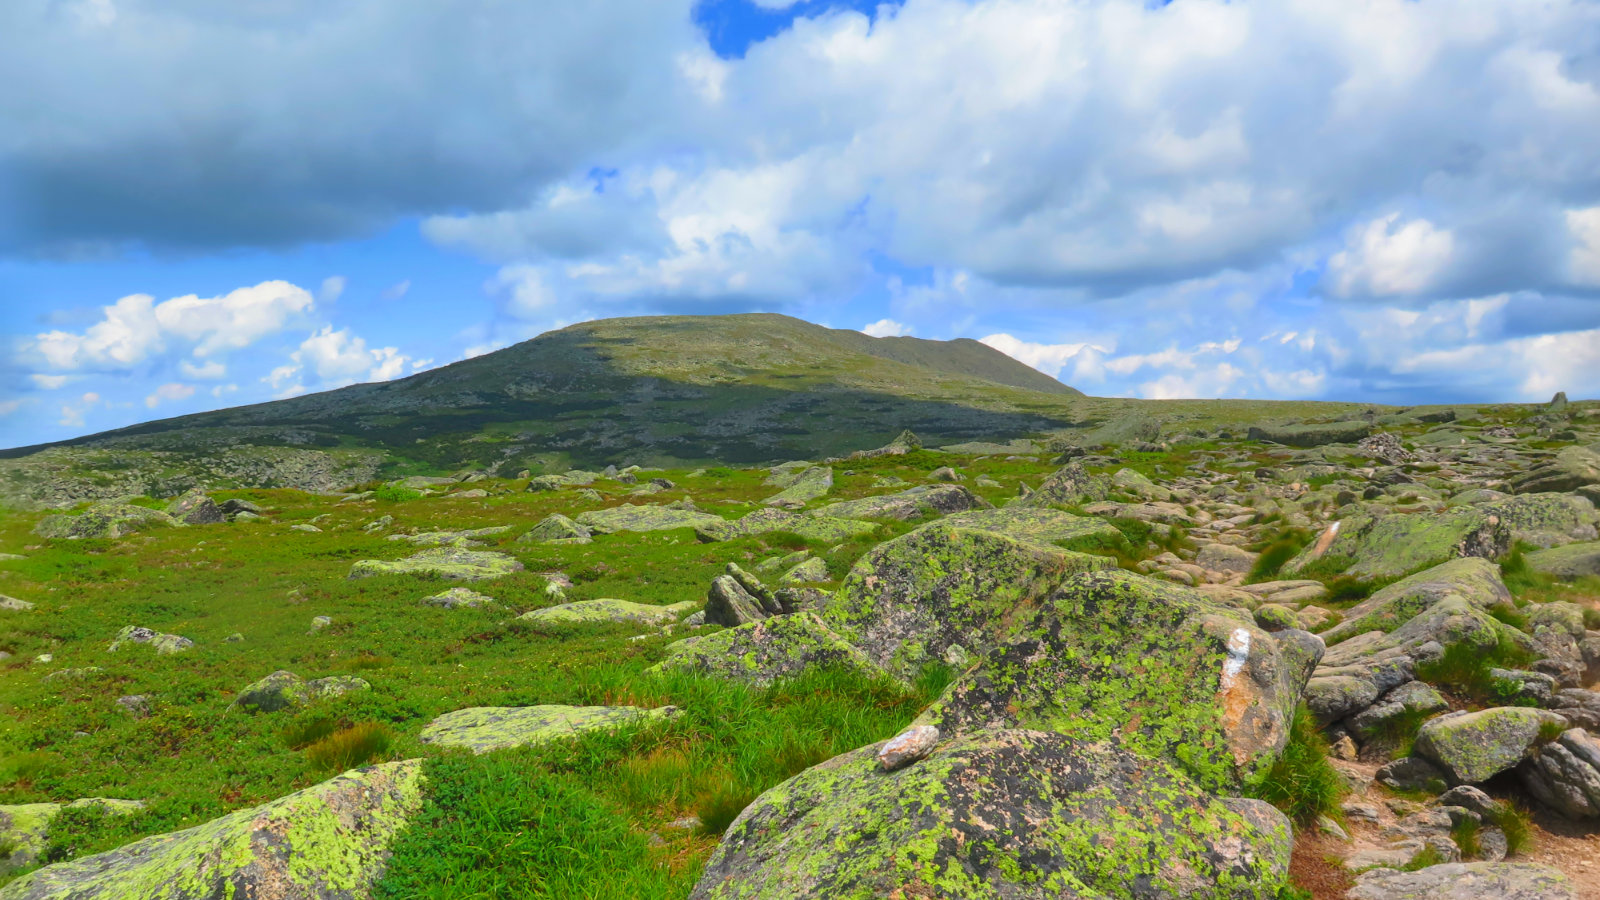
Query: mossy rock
{"points": [[924, 500], [460, 598], [1068, 487], [1130, 481], [943, 592], [1548, 520], [1311, 435], [1115, 655], [1389, 546], [162, 644], [327, 841], [449, 563], [482, 729], [104, 520], [1474, 579], [605, 611], [628, 517], [805, 572], [1019, 815], [763, 652], [557, 529], [828, 529], [1473, 747], [464, 538], [195, 508], [1043, 526], [804, 486], [1567, 563], [1573, 468], [285, 690], [25, 827]]}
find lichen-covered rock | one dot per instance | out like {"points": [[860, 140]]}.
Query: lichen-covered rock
{"points": [[1043, 526], [463, 538], [1565, 774], [163, 644], [805, 485], [628, 517], [1548, 520], [1392, 545], [1572, 468], [603, 611], [1069, 486], [924, 500], [286, 690], [1225, 558], [1568, 563], [942, 592], [12, 604], [1114, 655], [765, 651], [905, 442], [1129, 481], [765, 521], [1298, 435], [482, 729], [813, 569], [329, 842], [25, 827], [556, 528], [195, 508], [1411, 698], [1335, 692], [1474, 579], [1465, 881], [1474, 747], [1411, 773], [104, 520], [1013, 814], [449, 563], [460, 598]]}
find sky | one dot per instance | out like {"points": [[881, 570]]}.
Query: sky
{"points": [[208, 204]]}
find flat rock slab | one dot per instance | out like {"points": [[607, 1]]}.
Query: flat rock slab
{"points": [[1570, 562], [596, 612], [463, 538], [460, 598], [1465, 881], [763, 652], [485, 728], [1044, 526], [764, 521], [451, 563], [628, 517], [941, 499], [328, 841]]}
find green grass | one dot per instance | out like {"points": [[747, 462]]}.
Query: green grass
{"points": [[1464, 670], [1275, 553], [348, 748], [393, 493], [1302, 782], [1465, 834], [1517, 825]]}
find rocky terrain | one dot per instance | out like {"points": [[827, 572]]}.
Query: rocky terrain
{"points": [[1345, 656]]}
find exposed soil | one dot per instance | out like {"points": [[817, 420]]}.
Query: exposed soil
{"points": [[1311, 869]]}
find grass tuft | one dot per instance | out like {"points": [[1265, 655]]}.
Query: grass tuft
{"points": [[1464, 670], [1302, 782], [351, 747]]}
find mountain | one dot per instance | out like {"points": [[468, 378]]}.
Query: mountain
{"points": [[732, 389]]}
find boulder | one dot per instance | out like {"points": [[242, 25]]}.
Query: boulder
{"points": [[195, 508], [460, 598], [942, 592], [25, 827], [109, 520], [449, 563], [1068, 487], [766, 651], [286, 690], [924, 500], [1083, 534], [1470, 578], [12, 604], [1226, 558], [1111, 655], [467, 537], [482, 729], [945, 474], [1573, 468], [1378, 546], [813, 569], [1410, 699], [1565, 774], [1335, 692], [596, 612], [828, 529], [327, 841], [1473, 747], [728, 603], [1136, 483], [805, 485], [1299, 435], [1548, 520], [628, 517], [1568, 563], [905, 442], [163, 644], [1465, 881], [1007, 814]]}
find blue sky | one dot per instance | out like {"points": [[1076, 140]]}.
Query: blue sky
{"points": [[204, 205]]}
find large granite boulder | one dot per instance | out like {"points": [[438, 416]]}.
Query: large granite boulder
{"points": [[1084, 534], [1564, 774], [1548, 520], [1150, 663], [802, 486], [1068, 487], [765, 521], [606, 611], [1573, 468], [1472, 747], [25, 827], [766, 651], [107, 520], [195, 508], [1471, 578], [943, 592], [449, 563], [557, 529], [1379, 546], [1008, 814], [923, 500], [482, 729], [329, 842], [1299, 435], [286, 690], [1568, 563], [628, 517]]}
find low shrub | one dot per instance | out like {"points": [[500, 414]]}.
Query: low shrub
{"points": [[394, 493]]}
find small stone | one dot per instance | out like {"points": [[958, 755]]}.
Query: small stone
{"points": [[320, 622], [907, 747], [235, 638], [136, 705]]}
